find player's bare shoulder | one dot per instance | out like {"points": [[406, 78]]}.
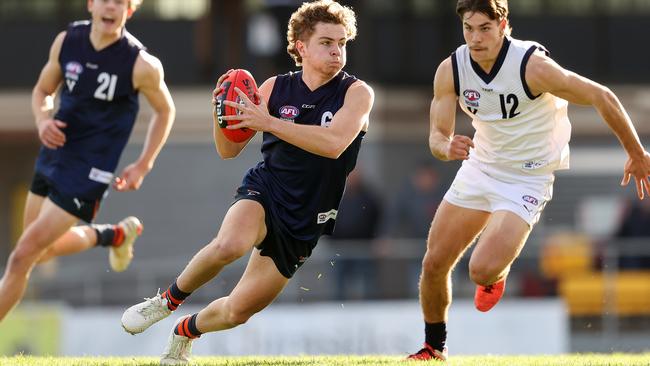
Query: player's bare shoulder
{"points": [[445, 66], [58, 41], [444, 80], [51, 75], [537, 64], [266, 88], [147, 71], [360, 95], [363, 89], [542, 73], [55, 48]]}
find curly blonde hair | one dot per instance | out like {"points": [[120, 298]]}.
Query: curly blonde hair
{"points": [[303, 23]]}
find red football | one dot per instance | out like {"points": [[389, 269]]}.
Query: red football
{"points": [[243, 80]]}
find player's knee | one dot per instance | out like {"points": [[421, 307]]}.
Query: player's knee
{"points": [[434, 266], [483, 274], [21, 261], [227, 250], [238, 317], [479, 278], [29, 249]]}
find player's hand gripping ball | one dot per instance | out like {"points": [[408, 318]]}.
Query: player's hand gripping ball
{"points": [[243, 80]]}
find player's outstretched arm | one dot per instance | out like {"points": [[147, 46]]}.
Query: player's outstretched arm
{"points": [[330, 139], [148, 78], [225, 148], [443, 143], [544, 75], [49, 130]]}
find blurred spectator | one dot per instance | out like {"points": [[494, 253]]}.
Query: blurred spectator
{"points": [[279, 12], [635, 223], [408, 216], [410, 213], [356, 227], [359, 211]]}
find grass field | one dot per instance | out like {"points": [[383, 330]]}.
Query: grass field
{"points": [[564, 360]]}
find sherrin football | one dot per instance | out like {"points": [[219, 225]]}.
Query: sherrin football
{"points": [[243, 80]]}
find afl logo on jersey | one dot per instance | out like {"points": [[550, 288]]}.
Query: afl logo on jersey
{"points": [[72, 70], [289, 112], [471, 97]]}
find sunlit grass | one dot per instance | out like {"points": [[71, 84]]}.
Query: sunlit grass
{"points": [[562, 360]]}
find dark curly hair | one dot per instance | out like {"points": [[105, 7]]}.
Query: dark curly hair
{"points": [[494, 9]]}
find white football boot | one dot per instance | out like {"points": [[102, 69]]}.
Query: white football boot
{"points": [[178, 349], [120, 257], [139, 317]]}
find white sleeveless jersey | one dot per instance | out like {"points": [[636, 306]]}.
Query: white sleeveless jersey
{"points": [[514, 129]]}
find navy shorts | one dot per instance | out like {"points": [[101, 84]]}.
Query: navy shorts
{"points": [[81, 208], [287, 252]]}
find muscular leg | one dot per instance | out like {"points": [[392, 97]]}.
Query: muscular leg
{"points": [[77, 239], [258, 287], [50, 224], [499, 245], [242, 228], [32, 209], [453, 229]]}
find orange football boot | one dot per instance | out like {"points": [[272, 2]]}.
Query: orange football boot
{"points": [[487, 296], [428, 353]]}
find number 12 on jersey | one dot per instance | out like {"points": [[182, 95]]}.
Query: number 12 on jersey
{"points": [[106, 88], [510, 99]]}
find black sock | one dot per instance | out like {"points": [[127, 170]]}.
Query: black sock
{"points": [[105, 234], [175, 296], [436, 335], [191, 325], [187, 327]]}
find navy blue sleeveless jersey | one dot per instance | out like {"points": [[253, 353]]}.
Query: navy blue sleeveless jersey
{"points": [[99, 105], [305, 188]]}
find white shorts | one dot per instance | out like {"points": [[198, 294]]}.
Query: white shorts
{"points": [[486, 188]]}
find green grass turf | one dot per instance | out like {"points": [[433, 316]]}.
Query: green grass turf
{"points": [[563, 360]]}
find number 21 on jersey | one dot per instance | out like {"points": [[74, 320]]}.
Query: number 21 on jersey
{"points": [[106, 88]]}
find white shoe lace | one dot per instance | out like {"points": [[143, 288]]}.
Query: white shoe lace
{"points": [[129, 227], [156, 307], [179, 348]]}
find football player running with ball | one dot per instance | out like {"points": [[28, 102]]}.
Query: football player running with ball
{"points": [[313, 122], [517, 98], [101, 68]]}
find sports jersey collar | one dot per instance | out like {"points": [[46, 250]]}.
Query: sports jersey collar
{"points": [[109, 46], [306, 88], [487, 78]]}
